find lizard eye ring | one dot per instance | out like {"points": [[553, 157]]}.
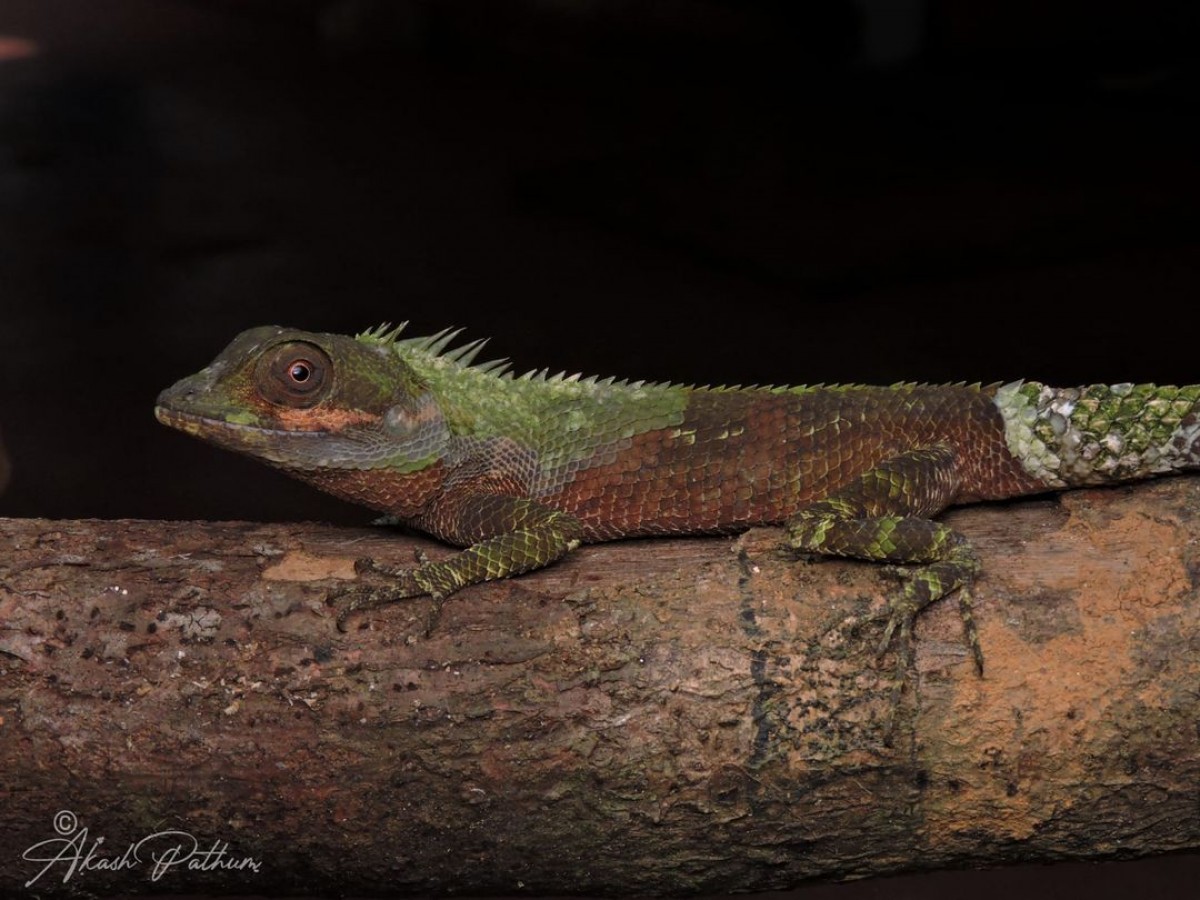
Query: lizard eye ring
{"points": [[296, 374], [300, 371]]}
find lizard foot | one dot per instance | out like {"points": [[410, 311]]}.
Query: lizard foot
{"points": [[922, 586], [406, 584]]}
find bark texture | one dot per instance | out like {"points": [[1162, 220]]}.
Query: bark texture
{"points": [[647, 716]]}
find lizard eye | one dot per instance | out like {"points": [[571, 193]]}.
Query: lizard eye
{"points": [[295, 375]]}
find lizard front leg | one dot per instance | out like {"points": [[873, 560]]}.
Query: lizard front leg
{"points": [[884, 516], [505, 536]]}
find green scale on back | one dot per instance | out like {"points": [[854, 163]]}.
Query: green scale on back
{"points": [[519, 470]]}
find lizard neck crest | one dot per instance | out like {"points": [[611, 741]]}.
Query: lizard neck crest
{"points": [[560, 418], [434, 351]]}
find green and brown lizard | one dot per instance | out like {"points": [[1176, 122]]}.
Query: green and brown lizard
{"points": [[520, 470]]}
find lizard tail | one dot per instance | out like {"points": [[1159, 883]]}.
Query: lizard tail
{"points": [[1101, 434]]}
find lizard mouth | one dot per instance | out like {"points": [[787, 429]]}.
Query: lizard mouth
{"points": [[197, 425], [188, 424], [281, 447], [293, 450], [213, 429]]}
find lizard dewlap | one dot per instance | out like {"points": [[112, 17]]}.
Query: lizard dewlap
{"points": [[519, 470]]}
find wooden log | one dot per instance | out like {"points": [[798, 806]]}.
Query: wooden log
{"points": [[646, 716]]}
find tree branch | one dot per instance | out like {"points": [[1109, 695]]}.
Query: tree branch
{"points": [[646, 716]]}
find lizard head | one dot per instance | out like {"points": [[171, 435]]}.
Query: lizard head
{"points": [[304, 401]]}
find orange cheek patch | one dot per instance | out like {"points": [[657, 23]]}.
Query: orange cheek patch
{"points": [[322, 419]]}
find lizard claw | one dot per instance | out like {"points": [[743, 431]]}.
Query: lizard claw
{"points": [[406, 584], [435, 613], [902, 612], [350, 603]]}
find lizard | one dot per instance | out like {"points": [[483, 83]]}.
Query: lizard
{"points": [[520, 470]]}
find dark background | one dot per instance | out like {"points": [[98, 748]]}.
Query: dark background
{"points": [[687, 190]]}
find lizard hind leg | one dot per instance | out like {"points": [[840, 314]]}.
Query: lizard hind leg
{"points": [[883, 517]]}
